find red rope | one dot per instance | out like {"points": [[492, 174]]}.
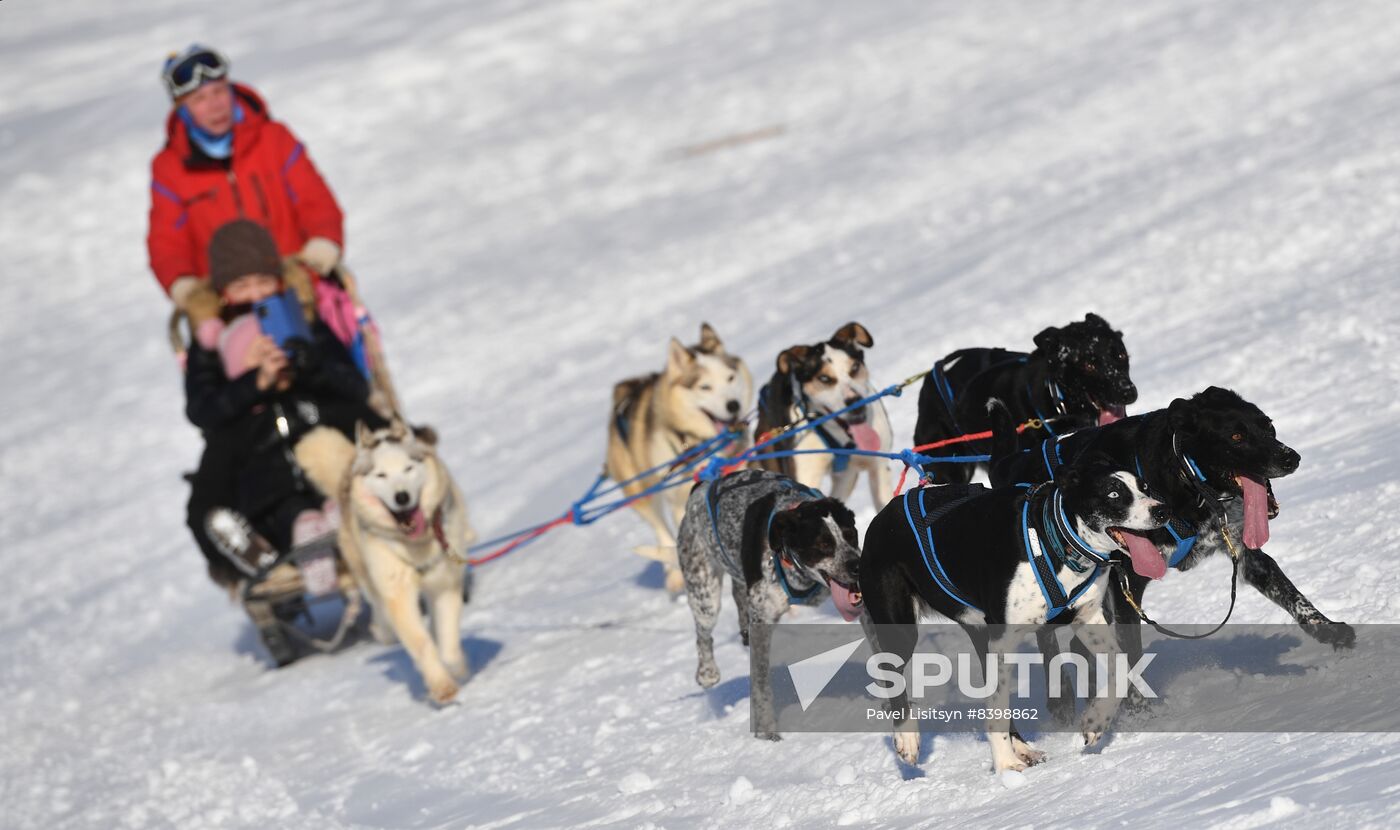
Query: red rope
{"points": [[567, 518], [959, 439]]}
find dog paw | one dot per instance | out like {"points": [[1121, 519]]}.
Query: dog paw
{"points": [[442, 690], [1024, 751], [707, 676], [1008, 766], [382, 633], [767, 735], [459, 669], [675, 581], [906, 746], [744, 636], [1338, 635]]}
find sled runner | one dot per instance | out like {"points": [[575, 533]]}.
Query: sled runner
{"points": [[289, 591]]}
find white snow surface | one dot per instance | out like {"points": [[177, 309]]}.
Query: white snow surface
{"points": [[1219, 179]]}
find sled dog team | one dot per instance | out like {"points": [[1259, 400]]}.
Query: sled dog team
{"points": [[1146, 493]]}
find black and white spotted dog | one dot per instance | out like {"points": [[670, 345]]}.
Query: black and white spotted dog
{"points": [[1210, 458], [992, 550], [781, 544]]}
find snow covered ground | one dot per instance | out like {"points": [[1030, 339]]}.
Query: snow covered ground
{"points": [[1219, 179]]}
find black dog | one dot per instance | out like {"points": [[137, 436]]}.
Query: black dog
{"points": [[1076, 377], [1209, 459], [982, 565]]}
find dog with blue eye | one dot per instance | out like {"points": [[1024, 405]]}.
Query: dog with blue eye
{"points": [[1009, 556], [780, 543]]}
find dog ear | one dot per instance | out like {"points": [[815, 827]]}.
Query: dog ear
{"points": [[1098, 322], [853, 332], [425, 434], [398, 430], [840, 513], [678, 358], [1049, 342], [789, 360], [364, 436], [1218, 396], [709, 341], [1182, 417], [780, 530]]}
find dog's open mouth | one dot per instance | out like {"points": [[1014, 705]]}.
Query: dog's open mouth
{"points": [[412, 523], [1108, 413], [1259, 507], [857, 425], [1142, 553], [721, 424], [846, 599]]}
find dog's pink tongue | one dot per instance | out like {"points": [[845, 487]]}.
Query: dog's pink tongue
{"points": [[1256, 511], [1147, 561], [865, 436], [846, 601], [1110, 414], [419, 524]]}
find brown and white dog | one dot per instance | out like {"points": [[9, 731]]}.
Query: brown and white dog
{"points": [[702, 392], [404, 535], [817, 380]]}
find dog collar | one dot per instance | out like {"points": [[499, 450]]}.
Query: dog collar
{"points": [[1074, 545]]}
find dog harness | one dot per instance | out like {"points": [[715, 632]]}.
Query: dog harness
{"points": [[1048, 542], [948, 394], [1175, 526], [731, 564], [1182, 532]]}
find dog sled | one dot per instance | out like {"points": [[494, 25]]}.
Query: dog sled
{"points": [[291, 601]]}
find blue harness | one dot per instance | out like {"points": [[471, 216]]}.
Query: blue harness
{"points": [[1178, 529], [732, 565], [1048, 543]]}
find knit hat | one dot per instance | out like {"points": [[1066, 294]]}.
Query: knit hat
{"points": [[240, 248]]}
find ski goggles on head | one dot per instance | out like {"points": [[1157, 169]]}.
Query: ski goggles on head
{"points": [[187, 71]]}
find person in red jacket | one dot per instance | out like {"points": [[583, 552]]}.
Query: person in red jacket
{"points": [[225, 158]]}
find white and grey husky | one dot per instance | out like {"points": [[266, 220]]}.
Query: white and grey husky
{"points": [[702, 392], [404, 534]]}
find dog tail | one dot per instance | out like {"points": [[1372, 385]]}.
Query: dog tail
{"points": [[1003, 429], [325, 455]]}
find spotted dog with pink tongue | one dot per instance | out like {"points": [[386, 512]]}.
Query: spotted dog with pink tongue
{"points": [[781, 544], [1142, 552], [1256, 511], [847, 602]]}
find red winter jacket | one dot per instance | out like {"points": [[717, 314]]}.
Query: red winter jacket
{"points": [[269, 178]]}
